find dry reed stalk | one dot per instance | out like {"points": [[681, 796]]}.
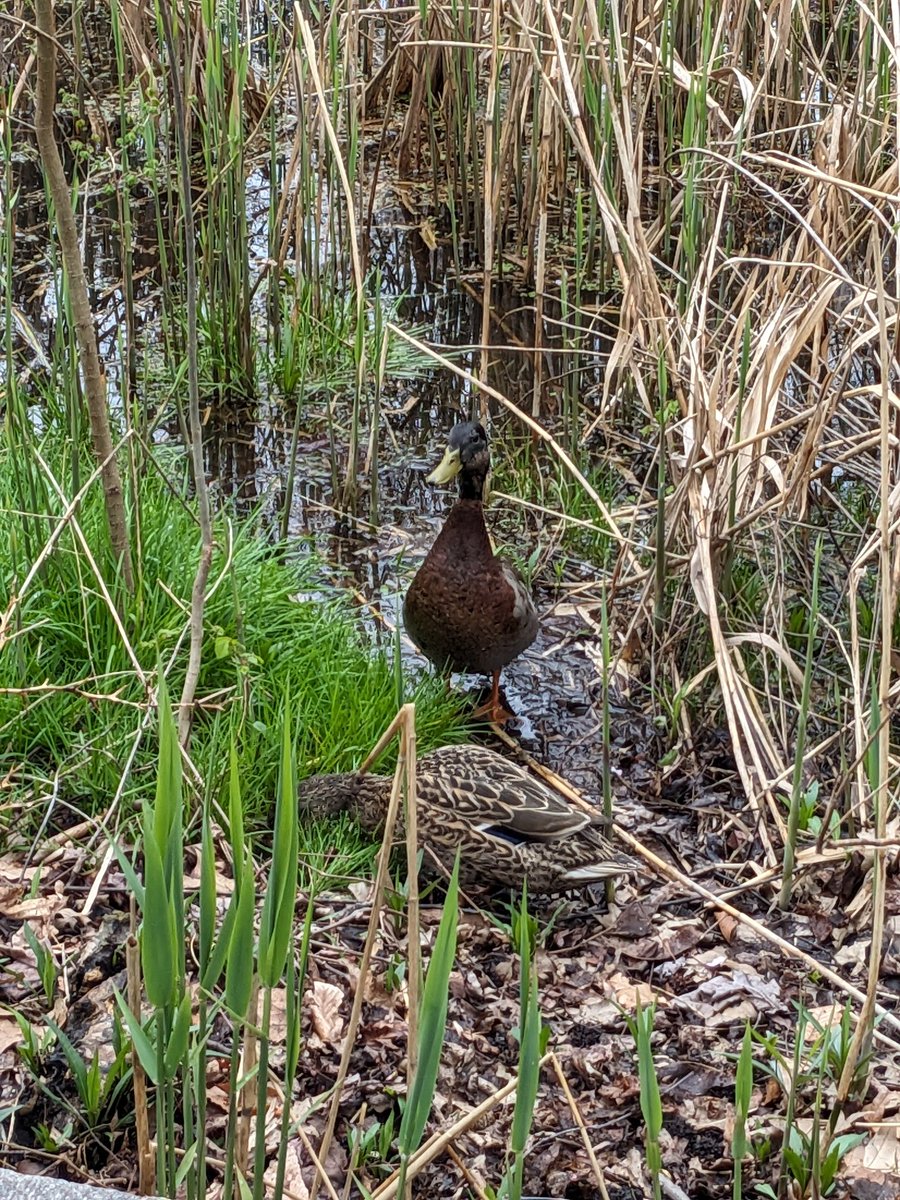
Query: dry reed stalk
{"points": [[475, 1182], [439, 1141], [582, 1128], [889, 568], [401, 723], [317, 1163], [79, 298], [247, 1093], [146, 1150], [730, 462], [490, 133]]}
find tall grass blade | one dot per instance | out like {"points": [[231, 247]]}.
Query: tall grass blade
{"points": [[432, 1024]]}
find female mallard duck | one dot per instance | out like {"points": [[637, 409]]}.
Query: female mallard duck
{"points": [[505, 822], [466, 609]]}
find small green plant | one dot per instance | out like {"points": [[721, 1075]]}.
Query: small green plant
{"points": [[48, 1140], [807, 820], [533, 1036], [373, 1148], [34, 1045], [432, 1024], [98, 1087], [640, 1027], [803, 1166], [520, 924], [809, 1173], [743, 1088], [46, 963], [395, 974], [832, 1044]]}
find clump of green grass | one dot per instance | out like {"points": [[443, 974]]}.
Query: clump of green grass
{"points": [[72, 704]]}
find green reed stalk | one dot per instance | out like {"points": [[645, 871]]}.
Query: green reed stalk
{"points": [[220, 120], [431, 1032], [27, 495], [695, 134], [531, 1036], [380, 346], [579, 338], [234, 951], [570, 393], [205, 946], [605, 757], [784, 896], [743, 1090], [295, 443], [659, 598], [641, 1028], [123, 197], [161, 899], [276, 925]]}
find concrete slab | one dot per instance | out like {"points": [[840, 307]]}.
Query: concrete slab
{"points": [[14, 1186]]}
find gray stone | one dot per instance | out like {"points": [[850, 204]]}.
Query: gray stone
{"points": [[37, 1187]]}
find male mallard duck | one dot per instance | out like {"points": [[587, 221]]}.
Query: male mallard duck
{"points": [[506, 823], [466, 609]]}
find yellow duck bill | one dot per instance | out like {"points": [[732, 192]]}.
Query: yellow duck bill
{"points": [[447, 469]]}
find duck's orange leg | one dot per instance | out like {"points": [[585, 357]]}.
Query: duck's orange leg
{"points": [[493, 709]]}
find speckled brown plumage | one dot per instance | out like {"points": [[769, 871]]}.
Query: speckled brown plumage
{"points": [[467, 609], [506, 823]]}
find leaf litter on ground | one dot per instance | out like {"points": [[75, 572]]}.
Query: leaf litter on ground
{"points": [[659, 944]]}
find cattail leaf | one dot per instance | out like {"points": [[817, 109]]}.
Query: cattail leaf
{"points": [[158, 952], [143, 1046], [235, 807], [277, 920], [239, 965], [743, 1088], [651, 1104], [529, 1069], [178, 1038], [207, 899], [433, 1022]]}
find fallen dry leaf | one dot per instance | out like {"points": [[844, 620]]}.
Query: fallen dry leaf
{"points": [[727, 925], [325, 1012]]}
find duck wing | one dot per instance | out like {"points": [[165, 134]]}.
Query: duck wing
{"points": [[495, 795]]}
